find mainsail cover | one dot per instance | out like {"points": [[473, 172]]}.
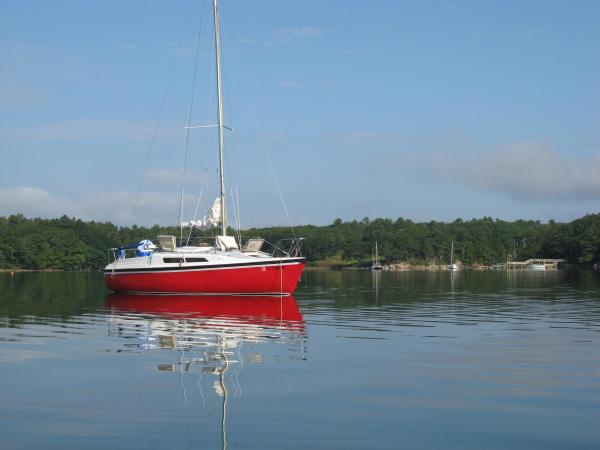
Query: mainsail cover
{"points": [[211, 219]]}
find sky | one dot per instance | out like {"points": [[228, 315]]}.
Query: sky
{"points": [[427, 110]]}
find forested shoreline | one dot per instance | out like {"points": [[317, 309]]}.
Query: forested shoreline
{"points": [[71, 244]]}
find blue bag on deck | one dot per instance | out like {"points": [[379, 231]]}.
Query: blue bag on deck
{"points": [[145, 248]]}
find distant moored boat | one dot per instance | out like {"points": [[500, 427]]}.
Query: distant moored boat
{"points": [[452, 266], [376, 265]]}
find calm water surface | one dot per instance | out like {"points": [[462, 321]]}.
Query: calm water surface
{"points": [[355, 360]]}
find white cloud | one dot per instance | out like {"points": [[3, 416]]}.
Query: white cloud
{"points": [[289, 84], [324, 84], [185, 48], [32, 201], [172, 177], [127, 46], [11, 96], [288, 35], [82, 129], [533, 170], [529, 171], [297, 33], [370, 137], [116, 206], [246, 41], [113, 206], [152, 207]]}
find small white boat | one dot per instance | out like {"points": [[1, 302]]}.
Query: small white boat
{"points": [[536, 267]]}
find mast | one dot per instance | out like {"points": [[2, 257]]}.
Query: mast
{"points": [[452, 253], [220, 119]]}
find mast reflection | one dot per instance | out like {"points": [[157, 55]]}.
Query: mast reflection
{"points": [[207, 333]]}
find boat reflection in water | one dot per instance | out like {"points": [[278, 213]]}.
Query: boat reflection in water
{"points": [[207, 333], [271, 311]]}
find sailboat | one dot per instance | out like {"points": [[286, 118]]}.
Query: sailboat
{"points": [[376, 265], [221, 266], [452, 266]]}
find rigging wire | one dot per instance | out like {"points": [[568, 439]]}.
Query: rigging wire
{"points": [[160, 113], [209, 137], [239, 224], [187, 135], [204, 184], [263, 146], [274, 175], [195, 215], [236, 213]]}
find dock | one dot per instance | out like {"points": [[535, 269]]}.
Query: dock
{"points": [[518, 265]]}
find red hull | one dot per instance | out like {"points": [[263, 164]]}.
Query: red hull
{"points": [[273, 279]]}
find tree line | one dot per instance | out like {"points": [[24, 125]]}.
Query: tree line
{"points": [[71, 244]]}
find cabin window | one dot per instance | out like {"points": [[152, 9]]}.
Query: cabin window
{"points": [[182, 260], [196, 260], [173, 260]]}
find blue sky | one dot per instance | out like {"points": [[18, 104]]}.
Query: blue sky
{"points": [[424, 110]]}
